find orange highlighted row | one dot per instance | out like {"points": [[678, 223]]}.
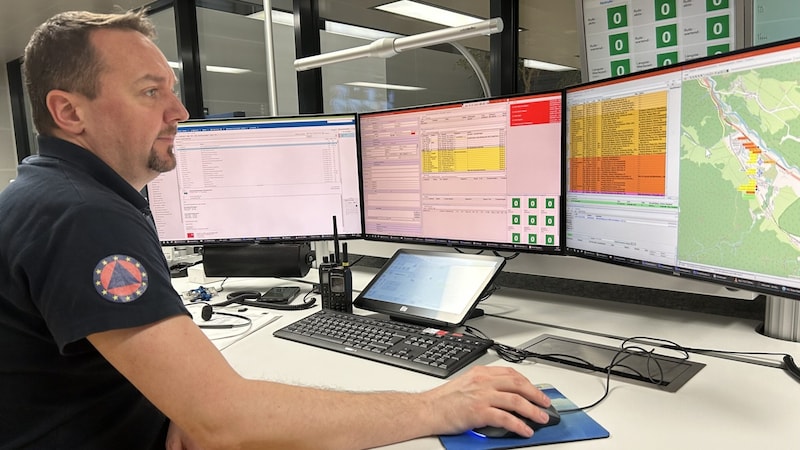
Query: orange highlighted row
{"points": [[643, 174]]}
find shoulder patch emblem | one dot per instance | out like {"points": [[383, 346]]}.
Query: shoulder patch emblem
{"points": [[120, 278]]}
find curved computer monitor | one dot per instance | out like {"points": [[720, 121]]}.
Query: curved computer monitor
{"points": [[484, 174], [692, 170], [260, 180]]}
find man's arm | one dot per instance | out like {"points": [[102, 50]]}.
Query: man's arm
{"points": [[184, 375]]}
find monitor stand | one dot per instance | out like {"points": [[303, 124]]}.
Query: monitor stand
{"points": [[476, 312], [782, 318]]}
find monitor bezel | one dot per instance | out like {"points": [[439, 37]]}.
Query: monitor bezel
{"points": [[472, 244]]}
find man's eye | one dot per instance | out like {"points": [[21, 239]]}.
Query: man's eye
{"points": [[151, 92]]}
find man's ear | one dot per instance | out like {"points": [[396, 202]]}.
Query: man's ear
{"points": [[64, 108]]}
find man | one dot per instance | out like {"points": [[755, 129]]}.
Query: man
{"points": [[97, 349]]}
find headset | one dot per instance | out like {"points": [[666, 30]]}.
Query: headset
{"points": [[208, 311], [253, 298]]}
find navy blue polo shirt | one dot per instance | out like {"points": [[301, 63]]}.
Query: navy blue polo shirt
{"points": [[78, 255]]}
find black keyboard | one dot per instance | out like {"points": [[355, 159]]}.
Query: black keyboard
{"points": [[427, 350]]}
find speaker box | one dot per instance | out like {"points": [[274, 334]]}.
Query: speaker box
{"points": [[257, 260]]}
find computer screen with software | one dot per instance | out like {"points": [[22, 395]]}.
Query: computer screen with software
{"points": [[692, 170], [477, 174], [245, 180]]}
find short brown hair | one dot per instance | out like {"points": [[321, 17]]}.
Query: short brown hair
{"points": [[59, 55]]}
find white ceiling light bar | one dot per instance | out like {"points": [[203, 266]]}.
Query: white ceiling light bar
{"points": [[541, 65], [223, 69], [428, 13], [218, 69], [396, 87], [280, 17], [388, 47], [355, 31]]}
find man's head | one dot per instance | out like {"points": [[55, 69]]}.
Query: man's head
{"points": [[59, 55], [99, 81]]}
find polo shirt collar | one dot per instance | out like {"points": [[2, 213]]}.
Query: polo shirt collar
{"points": [[93, 166]]}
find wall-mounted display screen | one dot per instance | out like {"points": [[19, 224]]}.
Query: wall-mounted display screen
{"points": [[625, 36]]}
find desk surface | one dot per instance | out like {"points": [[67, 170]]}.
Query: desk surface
{"points": [[728, 404]]}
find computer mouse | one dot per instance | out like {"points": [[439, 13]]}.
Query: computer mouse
{"points": [[499, 432]]}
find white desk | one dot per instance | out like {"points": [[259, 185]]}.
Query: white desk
{"points": [[727, 405]]}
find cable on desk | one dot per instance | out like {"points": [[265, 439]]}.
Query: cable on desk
{"points": [[208, 312], [480, 252], [787, 362], [314, 290], [626, 350], [357, 260], [507, 258], [221, 288]]}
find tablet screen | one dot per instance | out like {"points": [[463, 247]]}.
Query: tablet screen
{"points": [[429, 287]]}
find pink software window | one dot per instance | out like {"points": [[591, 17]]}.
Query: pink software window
{"points": [[476, 174]]}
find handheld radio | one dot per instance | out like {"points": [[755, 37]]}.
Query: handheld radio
{"points": [[335, 278]]}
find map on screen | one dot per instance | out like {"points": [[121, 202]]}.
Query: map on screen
{"points": [[740, 170]]}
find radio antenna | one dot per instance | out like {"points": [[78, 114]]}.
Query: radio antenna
{"points": [[335, 243]]}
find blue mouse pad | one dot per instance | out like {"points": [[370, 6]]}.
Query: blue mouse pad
{"points": [[574, 426]]}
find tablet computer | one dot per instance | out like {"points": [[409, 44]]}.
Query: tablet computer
{"points": [[430, 287]]}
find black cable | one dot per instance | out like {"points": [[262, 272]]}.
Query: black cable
{"points": [[491, 289], [222, 284], [311, 292], [353, 263], [787, 364], [516, 355], [208, 311], [507, 258], [480, 252], [253, 298], [791, 367]]}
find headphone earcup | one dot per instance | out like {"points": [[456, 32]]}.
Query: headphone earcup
{"points": [[207, 312]]}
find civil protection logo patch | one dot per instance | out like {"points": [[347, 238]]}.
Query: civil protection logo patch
{"points": [[120, 278]]}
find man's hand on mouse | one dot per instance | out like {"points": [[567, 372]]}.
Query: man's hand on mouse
{"points": [[485, 396]]}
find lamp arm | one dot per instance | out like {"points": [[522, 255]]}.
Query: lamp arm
{"points": [[387, 47], [447, 35]]}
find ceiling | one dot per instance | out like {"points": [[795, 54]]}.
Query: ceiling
{"points": [[549, 26]]}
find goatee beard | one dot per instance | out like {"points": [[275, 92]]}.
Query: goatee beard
{"points": [[162, 165]]}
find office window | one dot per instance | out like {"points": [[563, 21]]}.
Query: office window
{"points": [[774, 20], [425, 75], [549, 52], [167, 40], [234, 62]]}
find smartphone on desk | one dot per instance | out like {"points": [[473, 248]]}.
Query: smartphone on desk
{"points": [[280, 294]]}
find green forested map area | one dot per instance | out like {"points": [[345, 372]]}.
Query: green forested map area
{"points": [[740, 171]]}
